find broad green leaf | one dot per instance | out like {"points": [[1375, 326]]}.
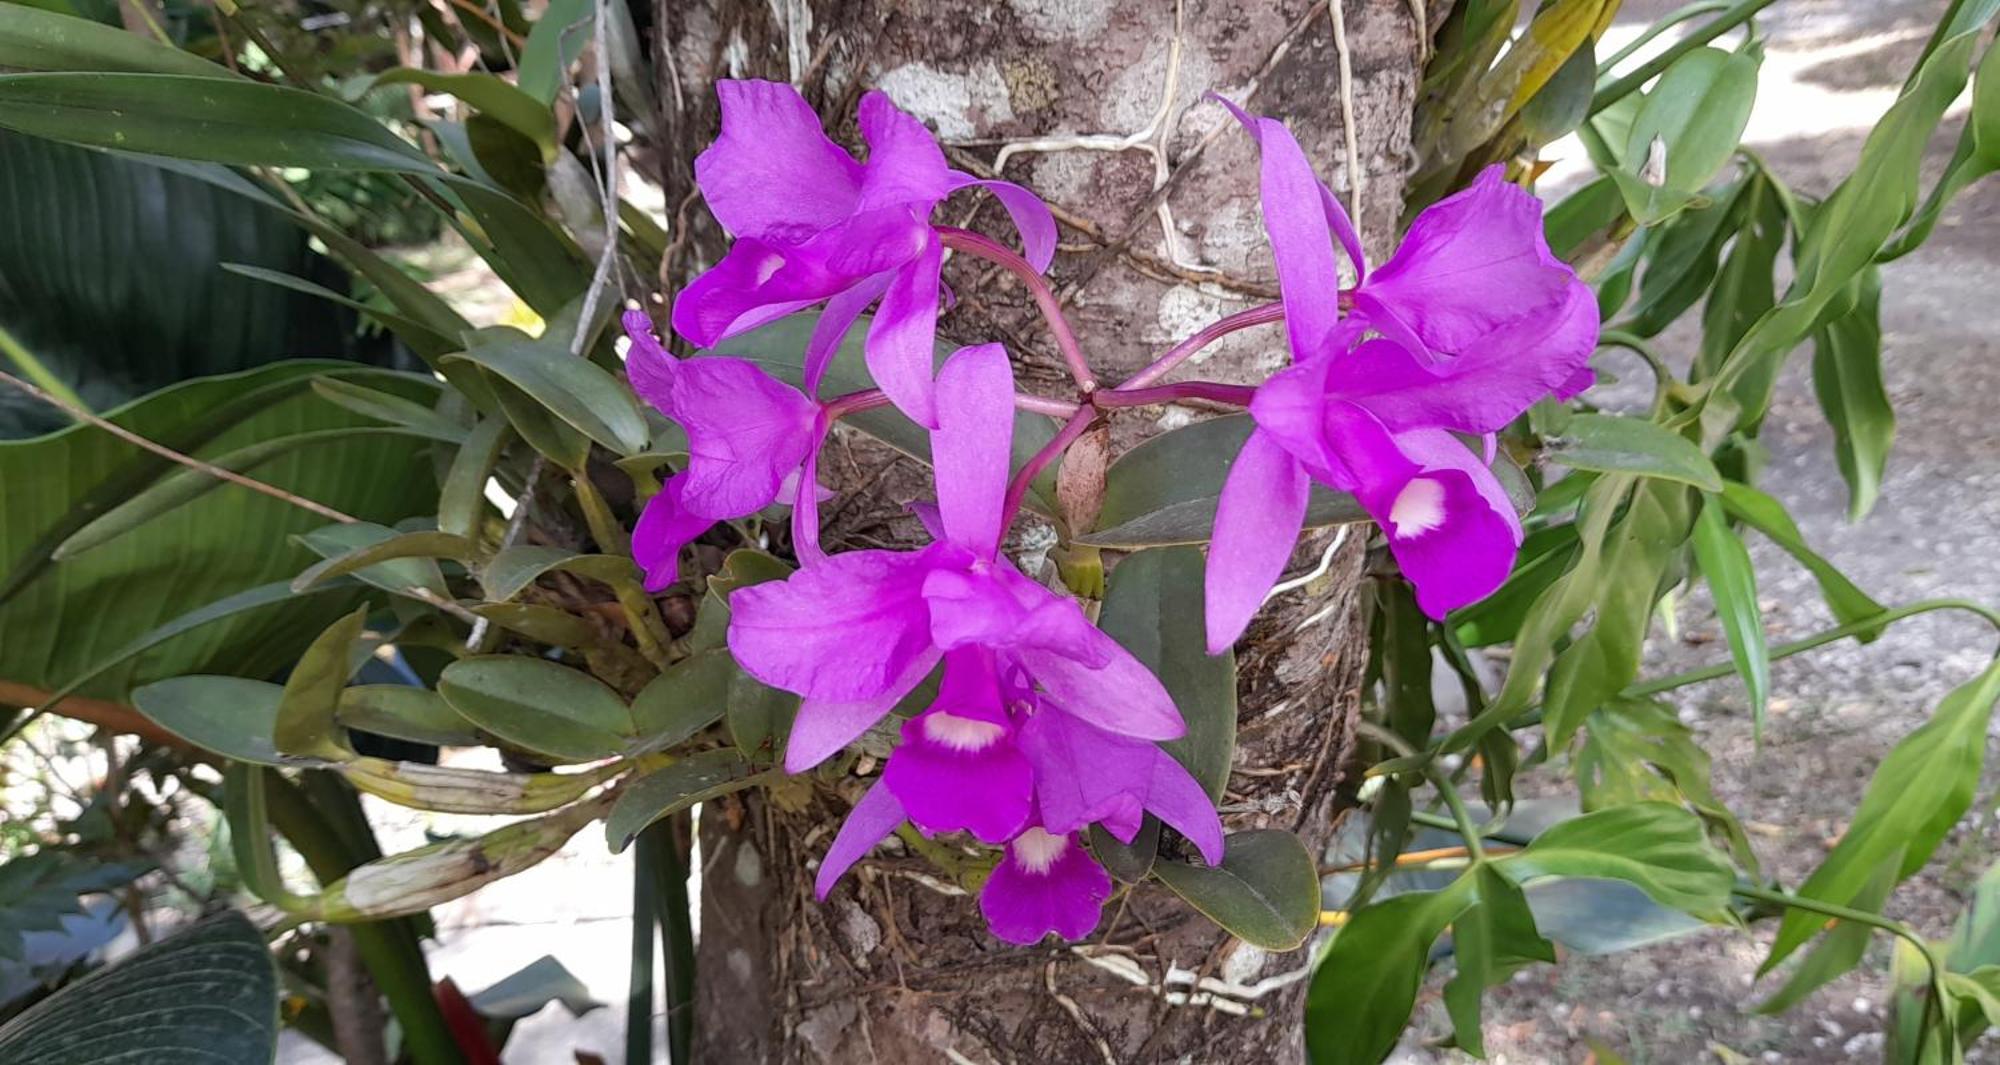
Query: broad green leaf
{"points": [[1977, 155], [1689, 124], [231, 716], [1847, 378], [1733, 583], [185, 484], [685, 698], [31, 39], [1660, 849], [1921, 788], [1841, 948], [1129, 862], [405, 713], [1265, 892], [490, 96], [400, 575], [305, 725], [539, 705], [557, 441], [1362, 993], [206, 994], [779, 349], [573, 389], [1582, 214], [112, 280], [38, 890], [1680, 262], [1765, 514], [220, 120], [58, 621], [511, 571], [389, 407], [1638, 751], [759, 716], [1490, 941], [1744, 287], [669, 790], [1605, 659], [1561, 105], [462, 497], [1153, 608], [557, 39], [557, 628], [1609, 443], [422, 544], [422, 339]]}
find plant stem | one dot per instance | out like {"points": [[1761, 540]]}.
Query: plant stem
{"points": [[639, 996], [1667, 22], [1786, 650], [1054, 408], [1017, 490], [983, 247], [1209, 334], [1723, 23], [1111, 399], [39, 373], [1461, 817]]}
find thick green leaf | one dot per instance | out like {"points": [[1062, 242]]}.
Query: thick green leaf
{"points": [[38, 890], [305, 725], [31, 39], [1362, 993], [557, 628], [1153, 608], [1923, 786], [1689, 124], [1847, 377], [1129, 862], [422, 339], [400, 574], [575, 390], [1658, 848], [557, 39], [1765, 514], [512, 570], [669, 790], [1744, 287], [1733, 582], [685, 698], [462, 498], [422, 544], [405, 713], [231, 716], [539, 705], [1490, 941], [1681, 260], [1612, 444], [389, 407], [219, 120], [488, 94], [207, 994], [1638, 751], [1564, 102], [1841, 948], [1581, 215], [759, 716], [58, 621], [1265, 892]]}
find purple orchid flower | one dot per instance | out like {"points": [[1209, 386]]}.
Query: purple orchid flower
{"points": [[814, 226], [1477, 321], [1042, 724], [748, 437]]}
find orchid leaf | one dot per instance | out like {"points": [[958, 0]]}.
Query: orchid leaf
{"points": [[1612, 444], [575, 390], [232, 716], [1732, 581], [397, 573], [685, 698], [1847, 378], [305, 725], [1154, 609], [424, 544], [33, 39], [1265, 892], [1363, 991], [539, 705], [404, 712], [513, 570], [1687, 127], [669, 790], [490, 95]]}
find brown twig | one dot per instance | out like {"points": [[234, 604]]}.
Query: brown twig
{"points": [[165, 452], [116, 717]]}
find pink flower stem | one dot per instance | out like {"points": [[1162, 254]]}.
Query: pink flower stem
{"points": [[1054, 408], [1122, 396], [1214, 331], [983, 247], [1017, 489]]}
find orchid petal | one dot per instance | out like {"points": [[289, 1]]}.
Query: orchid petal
{"points": [[1450, 526], [1120, 696], [823, 727], [772, 174], [1257, 522], [1030, 215], [834, 322], [870, 822], [647, 364], [1046, 883], [664, 527], [801, 633], [972, 445], [902, 338], [1176, 798], [746, 432], [905, 164], [1297, 221], [1084, 774]]}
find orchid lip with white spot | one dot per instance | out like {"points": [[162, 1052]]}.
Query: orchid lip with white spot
{"points": [[961, 733], [1418, 508], [1036, 850]]}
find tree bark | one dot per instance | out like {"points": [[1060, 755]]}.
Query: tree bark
{"points": [[892, 967]]}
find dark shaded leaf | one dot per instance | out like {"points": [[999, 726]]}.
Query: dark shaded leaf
{"points": [[231, 716], [696, 778], [1490, 941], [1153, 608], [539, 705], [404, 712], [1362, 993], [1612, 444], [1733, 583], [1847, 378], [1661, 849], [1265, 892]]}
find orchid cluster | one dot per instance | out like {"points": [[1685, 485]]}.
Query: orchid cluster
{"points": [[1042, 725]]}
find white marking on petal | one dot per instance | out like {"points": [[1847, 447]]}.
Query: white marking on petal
{"points": [[961, 733], [1418, 509], [1037, 850], [768, 266]]}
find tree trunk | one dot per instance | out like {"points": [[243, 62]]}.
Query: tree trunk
{"points": [[893, 968]]}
